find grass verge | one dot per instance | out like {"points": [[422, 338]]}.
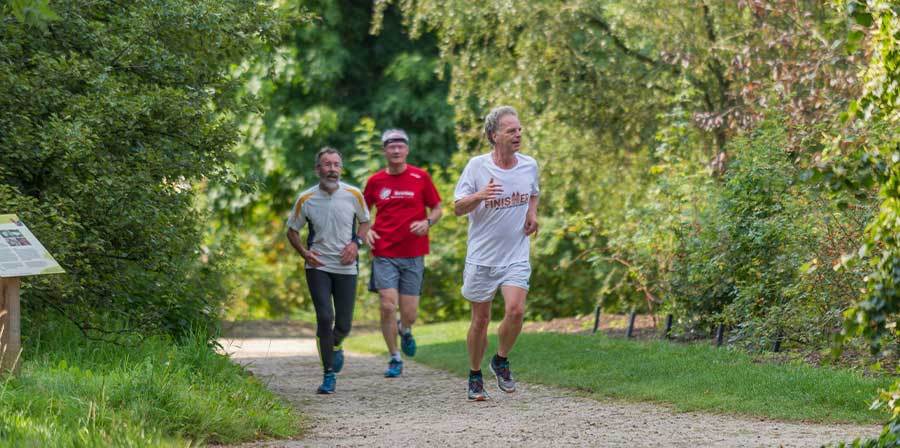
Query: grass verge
{"points": [[73, 392], [695, 377]]}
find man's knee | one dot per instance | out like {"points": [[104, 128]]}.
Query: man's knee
{"points": [[341, 330], [515, 313], [481, 319], [515, 310], [514, 304], [324, 323], [388, 307]]}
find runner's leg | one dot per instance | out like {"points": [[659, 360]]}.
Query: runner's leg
{"points": [[476, 340], [412, 272], [409, 310], [344, 287], [514, 312], [389, 298], [320, 286]]}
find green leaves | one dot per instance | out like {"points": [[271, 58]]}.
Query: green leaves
{"points": [[332, 83], [33, 13], [110, 122], [859, 13]]}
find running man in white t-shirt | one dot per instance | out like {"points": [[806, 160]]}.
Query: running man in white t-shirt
{"points": [[499, 191]]}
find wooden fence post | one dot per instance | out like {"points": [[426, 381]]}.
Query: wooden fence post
{"points": [[10, 329]]}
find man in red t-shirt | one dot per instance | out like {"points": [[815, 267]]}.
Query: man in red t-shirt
{"points": [[407, 204]]}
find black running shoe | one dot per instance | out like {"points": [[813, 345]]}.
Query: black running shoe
{"points": [[505, 381], [476, 388]]}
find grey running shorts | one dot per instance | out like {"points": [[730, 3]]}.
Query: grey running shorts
{"points": [[480, 283], [403, 274]]}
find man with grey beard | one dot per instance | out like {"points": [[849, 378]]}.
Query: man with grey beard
{"points": [[332, 209]]}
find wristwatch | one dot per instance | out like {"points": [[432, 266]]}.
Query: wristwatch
{"points": [[359, 241], [430, 222]]}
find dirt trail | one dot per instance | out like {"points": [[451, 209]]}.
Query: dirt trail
{"points": [[428, 407]]}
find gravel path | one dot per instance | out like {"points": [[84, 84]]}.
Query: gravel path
{"points": [[428, 407]]}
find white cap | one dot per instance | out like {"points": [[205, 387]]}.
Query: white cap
{"points": [[392, 135]]}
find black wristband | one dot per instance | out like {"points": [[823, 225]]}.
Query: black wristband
{"points": [[359, 242]]}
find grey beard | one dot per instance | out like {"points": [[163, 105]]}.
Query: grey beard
{"points": [[330, 184]]}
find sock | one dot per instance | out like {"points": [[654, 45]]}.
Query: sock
{"points": [[475, 372], [396, 356], [403, 330], [499, 359]]}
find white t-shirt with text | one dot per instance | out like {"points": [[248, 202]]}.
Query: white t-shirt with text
{"points": [[496, 227]]}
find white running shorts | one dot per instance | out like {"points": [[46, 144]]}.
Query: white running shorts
{"points": [[480, 283]]}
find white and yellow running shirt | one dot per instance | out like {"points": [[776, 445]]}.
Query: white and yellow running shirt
{"points": [[332, 219]]}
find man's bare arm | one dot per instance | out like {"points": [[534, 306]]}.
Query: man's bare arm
{"points": [[531, 223], [421, 227], [309, 255], [467, 204]]}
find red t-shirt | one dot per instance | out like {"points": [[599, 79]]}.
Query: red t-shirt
{"points": [[400, 199]]}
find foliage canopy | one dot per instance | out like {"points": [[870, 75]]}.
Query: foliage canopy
{"points": [[110, 114]]}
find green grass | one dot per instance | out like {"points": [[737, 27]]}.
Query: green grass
{"points": [[73, 392], [694, 377]]}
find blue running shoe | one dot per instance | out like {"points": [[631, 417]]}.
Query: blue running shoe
{"points": [[328, 383], [337, 364], [407, 342], [395, 368]]}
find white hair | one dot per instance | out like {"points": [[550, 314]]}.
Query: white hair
{"points": [[492, 120]]}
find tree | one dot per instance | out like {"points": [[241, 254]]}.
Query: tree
{"points": [[618, 68], [333, 83], [628, 103], [110, 115], [876, 159]]}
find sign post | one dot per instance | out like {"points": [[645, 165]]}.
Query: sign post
{"points": [[10, 330], [21, 254]]}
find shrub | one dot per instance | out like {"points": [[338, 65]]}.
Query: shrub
{"points": [[110, 114]]}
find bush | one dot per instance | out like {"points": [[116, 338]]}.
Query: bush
{"points": [[110, 114], [751, 258]]}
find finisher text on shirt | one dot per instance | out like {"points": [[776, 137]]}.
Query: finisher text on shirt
{"points": [[516, 200], [497, 226]]}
